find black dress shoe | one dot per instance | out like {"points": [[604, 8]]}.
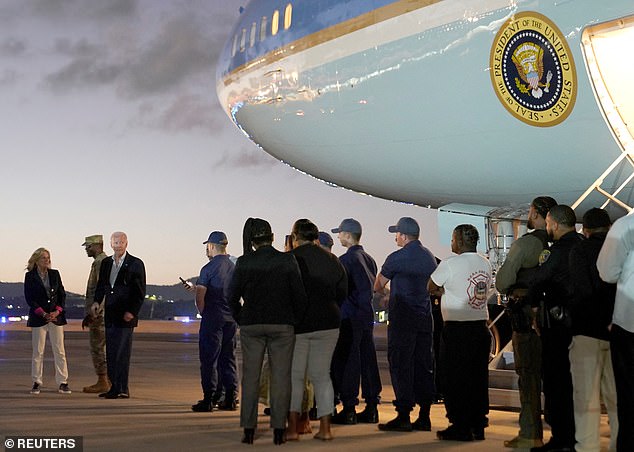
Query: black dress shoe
{"points": [[279, 436], [249, 434], [203, 406], [114, 395], [422, 424], [400, 423], [478, 433], [453, 433], [228, 405], [347, 416], [370, 415], [106, 394]]}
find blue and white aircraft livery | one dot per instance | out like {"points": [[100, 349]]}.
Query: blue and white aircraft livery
{"points": [[431, 102]]}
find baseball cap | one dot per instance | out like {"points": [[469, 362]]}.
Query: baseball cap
{"points": [[596, 218], [93, 239], [405, 225], [217, 237], [348, 225], [325, 239]]}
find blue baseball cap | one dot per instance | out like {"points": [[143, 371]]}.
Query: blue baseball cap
{"points": [[217, 237], [348, 225], [407, 226], [325, 239]]}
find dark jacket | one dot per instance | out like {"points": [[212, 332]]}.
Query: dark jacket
{"points": [[552, 282], [126, 295], [271, 287], [326, 287], [361, 270], [37, 296], [592, 303]]}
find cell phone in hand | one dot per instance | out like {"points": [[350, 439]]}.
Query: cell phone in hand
{"points": [[187, 283]]}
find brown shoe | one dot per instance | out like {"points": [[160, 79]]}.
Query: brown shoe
{"points": [[523, 443], [102, 385]]}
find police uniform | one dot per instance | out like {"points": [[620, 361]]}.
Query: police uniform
{"points": [[410, 332], [551, 288], [217, 336], [513, 279]]}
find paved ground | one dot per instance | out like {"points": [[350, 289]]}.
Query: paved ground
{"points": [[164, 383]]}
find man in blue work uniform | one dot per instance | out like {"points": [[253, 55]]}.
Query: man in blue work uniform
{"points": [[217, 337], [410, 332], [355, 354]]}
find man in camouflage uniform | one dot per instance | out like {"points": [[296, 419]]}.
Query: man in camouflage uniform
{"points": [[95, 320]]}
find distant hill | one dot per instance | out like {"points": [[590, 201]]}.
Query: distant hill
{"points": [[162, 302]]}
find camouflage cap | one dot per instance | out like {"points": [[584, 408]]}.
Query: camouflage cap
{"points": [[92, 239]]}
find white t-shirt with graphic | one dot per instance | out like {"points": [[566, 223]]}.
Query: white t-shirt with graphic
{"points": [[467, 282]]}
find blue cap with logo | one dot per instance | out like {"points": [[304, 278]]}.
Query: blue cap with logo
{"points": [[325, 239], [348, 225], [217, 237], [407, 226]]}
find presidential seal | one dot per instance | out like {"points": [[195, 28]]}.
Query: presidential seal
{"points": [[533, 71]]}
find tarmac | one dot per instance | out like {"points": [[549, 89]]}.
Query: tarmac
{"points": [[164, 382]]}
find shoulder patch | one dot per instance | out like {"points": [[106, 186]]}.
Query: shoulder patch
{"points": [[544, 256]]}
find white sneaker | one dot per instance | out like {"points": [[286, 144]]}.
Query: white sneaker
{"points": [[36, 388]]}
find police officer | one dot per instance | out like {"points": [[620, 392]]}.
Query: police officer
{"points": [[355, 355], [217, 336], [513, 279], [410, 333], [551, 287], [97, 330]]}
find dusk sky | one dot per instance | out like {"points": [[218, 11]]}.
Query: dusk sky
{"points": [[110, 121]]}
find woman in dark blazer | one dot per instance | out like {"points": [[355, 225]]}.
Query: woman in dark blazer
{"points": [[44, 292]]}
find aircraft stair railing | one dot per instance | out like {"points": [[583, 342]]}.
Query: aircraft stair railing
{"points": [[611, 197]]}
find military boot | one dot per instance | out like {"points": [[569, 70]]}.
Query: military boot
{"points": [[102, 385]]}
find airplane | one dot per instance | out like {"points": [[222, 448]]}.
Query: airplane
{"points": [[471, 107], [441, 102]]}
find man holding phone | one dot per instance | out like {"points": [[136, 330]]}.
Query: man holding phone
{"points": [[217, 336]]}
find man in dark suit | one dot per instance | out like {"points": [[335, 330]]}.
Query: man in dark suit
{"points": [[121, 291]]}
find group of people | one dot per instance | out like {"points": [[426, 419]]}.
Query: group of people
{"points": [[114, 295], [571, 304], [570, 299], [310, 314]]}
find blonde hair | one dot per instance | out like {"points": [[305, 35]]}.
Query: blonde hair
{"points": [[35, 257]]}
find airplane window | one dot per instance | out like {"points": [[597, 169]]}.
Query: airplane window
{"points": [[606, 46], [252, 34], [234, 46], [275, 23], [243, 40], [288, 14], [263, 25]]}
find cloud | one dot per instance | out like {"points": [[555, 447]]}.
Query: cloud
{"points": [[12, 47], [178, 51], [247, 157], [8, 77], [83, 71], [102, 10], [186, 112]]}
